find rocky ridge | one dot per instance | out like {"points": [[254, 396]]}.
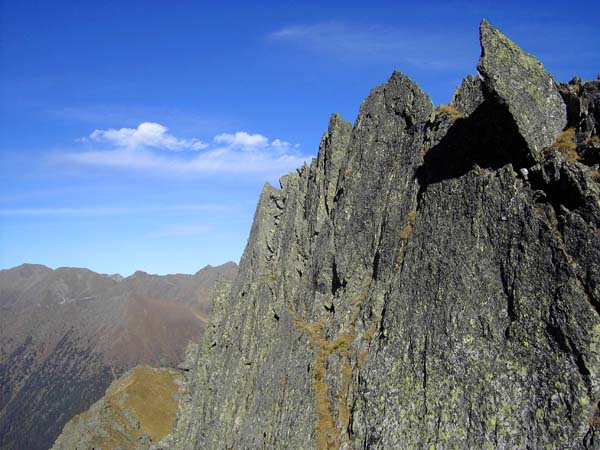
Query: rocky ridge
{"points": [[430, 280]]}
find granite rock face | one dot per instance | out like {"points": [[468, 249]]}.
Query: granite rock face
{"points": [[430, 280], [518, 80], [583, 106]]}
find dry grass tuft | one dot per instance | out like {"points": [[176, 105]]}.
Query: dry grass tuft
{"points": [[565, 143], [342, 397], [328, 434], [407, 229], [595, 139], [454, 113]]}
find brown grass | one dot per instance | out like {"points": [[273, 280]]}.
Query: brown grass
{"points": [[147, 395], [333, 414], [152, 397], [342, 397], [454, 113], [407, 229], [362, 357], [326, 430], [594, 421], [565, 143], [595, 139], [329, 434]]}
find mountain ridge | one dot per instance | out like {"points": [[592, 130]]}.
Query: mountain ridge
{"points": [[66, 333], [430, 280]]}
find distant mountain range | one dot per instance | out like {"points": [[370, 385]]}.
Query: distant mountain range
{"points": [[65, 334]]}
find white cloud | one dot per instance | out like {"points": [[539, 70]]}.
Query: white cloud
{"points": [[243, 140], [227, 154], [147, 134]]}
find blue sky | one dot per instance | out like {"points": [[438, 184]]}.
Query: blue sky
{"points": [[138, 135]]}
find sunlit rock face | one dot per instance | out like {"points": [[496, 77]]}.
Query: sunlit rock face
{"points": [[430, 280]]}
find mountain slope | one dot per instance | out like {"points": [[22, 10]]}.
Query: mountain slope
{"points": [[138, 408], [65, 334], [431, 280]]}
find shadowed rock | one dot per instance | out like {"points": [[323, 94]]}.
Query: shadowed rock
{"points": [[520, 81], [468, 96]]}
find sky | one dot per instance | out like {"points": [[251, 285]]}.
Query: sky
{"points": [[137, 135]]}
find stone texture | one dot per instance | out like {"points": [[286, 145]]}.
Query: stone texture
{"points": [[428, 281], [468, 96], [583, 110], [520, 81]]}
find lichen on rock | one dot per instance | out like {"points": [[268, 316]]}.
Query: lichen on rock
{"points": [[519, 80], [428, 281]]}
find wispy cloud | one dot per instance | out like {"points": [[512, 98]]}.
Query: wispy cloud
{"points": [[113, 211], [147, 134], [345, 41], [242, 140], [143, 149]]}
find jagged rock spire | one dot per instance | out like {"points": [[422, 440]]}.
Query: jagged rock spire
{"points": [[411, 289], [519, 80]]}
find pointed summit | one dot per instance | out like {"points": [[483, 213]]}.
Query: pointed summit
{"points": [[518, 80]]}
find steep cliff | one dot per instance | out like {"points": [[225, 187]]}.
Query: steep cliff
{"points": [[431, 280]]}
